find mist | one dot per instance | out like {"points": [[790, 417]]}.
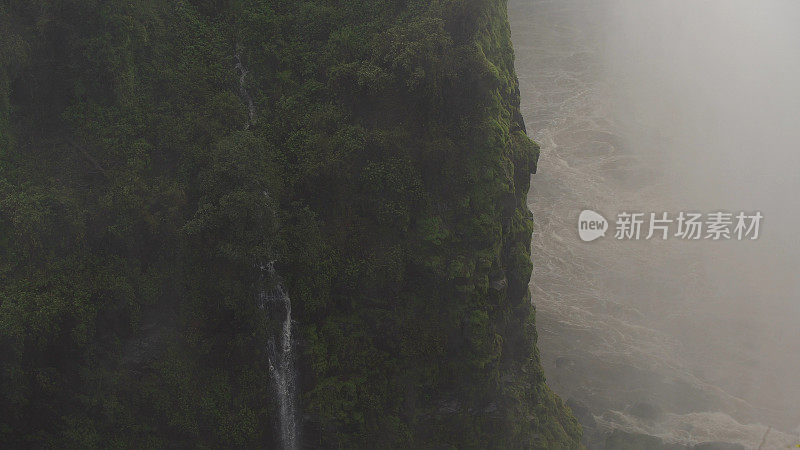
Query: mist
{"points": [[659, 106]]}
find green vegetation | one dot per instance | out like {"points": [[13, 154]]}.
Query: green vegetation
{"points": [[385, 171]]}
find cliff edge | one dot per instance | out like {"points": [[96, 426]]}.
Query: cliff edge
{"points": [[181, 180]]}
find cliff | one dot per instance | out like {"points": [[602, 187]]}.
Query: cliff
{"points": [[170, 170]]}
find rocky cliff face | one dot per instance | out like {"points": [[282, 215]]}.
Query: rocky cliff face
{"points": [[158, 156]]}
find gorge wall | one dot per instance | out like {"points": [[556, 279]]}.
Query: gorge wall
{"points": [[155, 156]]}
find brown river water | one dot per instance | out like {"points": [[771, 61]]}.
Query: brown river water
{"points": [[641, 333]]}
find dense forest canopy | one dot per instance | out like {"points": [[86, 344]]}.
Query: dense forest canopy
{"points": [[383, 168]]}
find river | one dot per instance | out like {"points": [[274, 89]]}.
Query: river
{"points": [[644, 334]]}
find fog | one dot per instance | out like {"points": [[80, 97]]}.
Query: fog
{"points": [[664, 106]]}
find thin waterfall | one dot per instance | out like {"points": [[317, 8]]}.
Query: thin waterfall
{"points": [[275, 298], [251, 109], [281, 357]]}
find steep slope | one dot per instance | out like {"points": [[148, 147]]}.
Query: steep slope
{"points": [[181, 180]]}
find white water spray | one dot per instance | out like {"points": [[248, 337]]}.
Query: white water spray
{"points": [[281, 359], [281, 362]]}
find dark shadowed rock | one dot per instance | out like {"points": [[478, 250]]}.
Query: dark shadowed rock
{"points": [[582, 413]]}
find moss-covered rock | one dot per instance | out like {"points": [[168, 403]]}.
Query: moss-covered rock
{"points": [[383, 166]]}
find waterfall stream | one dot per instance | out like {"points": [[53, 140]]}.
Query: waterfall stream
{"points": [[275, 298], [281, 357], [251, 109]]}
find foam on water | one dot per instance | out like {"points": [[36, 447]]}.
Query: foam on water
{"points": [[608, 311]]}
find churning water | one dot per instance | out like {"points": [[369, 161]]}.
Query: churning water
{"points": [[641, 333], [281, 357]]}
